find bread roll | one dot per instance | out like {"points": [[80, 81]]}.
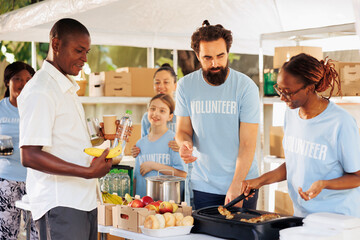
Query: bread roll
{"points": [[151, 222], [178, 218], [187, 221], [169, 219], [161, 220]]}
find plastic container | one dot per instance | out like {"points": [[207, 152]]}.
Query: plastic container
{"points": [[270, 77], [125, 125], [166, 232], [116, 184], [125, 183], [129, 171], [105, 184]]}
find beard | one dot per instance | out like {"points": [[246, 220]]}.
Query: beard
{"points": [[216, 78]]}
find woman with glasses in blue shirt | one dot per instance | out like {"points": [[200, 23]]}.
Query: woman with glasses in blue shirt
{"points": [[321, 142]]}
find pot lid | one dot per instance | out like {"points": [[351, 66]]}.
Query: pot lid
{"points": [[165, 178]]}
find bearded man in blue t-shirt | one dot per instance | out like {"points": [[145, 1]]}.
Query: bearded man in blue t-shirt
{"points": [[217, 111]]}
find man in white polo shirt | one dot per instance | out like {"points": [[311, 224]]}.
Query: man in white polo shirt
{"points": [[61, 179]]}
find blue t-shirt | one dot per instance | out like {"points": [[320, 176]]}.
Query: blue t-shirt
{"points": [[322, 148], [145, 124], [216, 113], [10, 166], [159, 152]]}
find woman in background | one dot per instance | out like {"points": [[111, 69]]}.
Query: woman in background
{"points": [[12, 173]]}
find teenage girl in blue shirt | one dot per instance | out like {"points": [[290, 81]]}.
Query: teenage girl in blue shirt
{"points": [[155, 154]]}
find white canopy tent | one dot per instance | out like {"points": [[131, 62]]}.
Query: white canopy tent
{"points": [[169, 24]]}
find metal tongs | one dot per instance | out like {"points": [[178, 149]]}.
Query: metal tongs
{"points": [[238, 199]]}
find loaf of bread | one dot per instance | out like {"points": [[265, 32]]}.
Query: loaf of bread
{"points": [[159, 221]]}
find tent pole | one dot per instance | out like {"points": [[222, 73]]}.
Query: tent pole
{"points": [[175, 61], [150, 57], [264, 192], [33, 55]]}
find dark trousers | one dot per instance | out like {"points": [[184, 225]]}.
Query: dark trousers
{"points": [[203, 199], [63, 223]]}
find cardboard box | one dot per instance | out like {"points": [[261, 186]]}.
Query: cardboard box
{"points": [[128, 218], [283, 54], [349, 75], [185, 210], [141, 81], [283, 203], [135, 136], [105, 214], [276, 137], [115, 214], [117, 84], [96, 84]]}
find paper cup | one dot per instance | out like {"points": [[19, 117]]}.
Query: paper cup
{"points": [[109, 124]]}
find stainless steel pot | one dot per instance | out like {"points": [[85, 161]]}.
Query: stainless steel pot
{"points": [[165, 187]]}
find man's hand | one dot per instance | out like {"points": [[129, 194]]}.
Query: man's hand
{"points": [[185, 152], [173, 145], [232, 193], [135, 151], [146, 167], [314, 190], [100, 166]]}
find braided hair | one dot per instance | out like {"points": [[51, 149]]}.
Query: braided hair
{"points": [[312, 71]]}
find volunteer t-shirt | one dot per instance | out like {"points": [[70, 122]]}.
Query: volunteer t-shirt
{"points": [[157, 151], [322, 148], [216, 113], [10, 166], [145, 125]]}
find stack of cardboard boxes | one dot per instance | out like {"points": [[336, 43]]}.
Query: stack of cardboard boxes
{"points": [[124, 82], [349, 72], [349, 76]]}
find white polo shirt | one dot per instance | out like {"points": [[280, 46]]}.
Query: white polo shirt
{"points": [[52, 116]]}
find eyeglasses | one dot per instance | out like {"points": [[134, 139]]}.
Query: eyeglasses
{"points": [[286, 95]]}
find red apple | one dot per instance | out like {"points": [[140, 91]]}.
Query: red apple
{"points": [[146, 200], [165, 207], [136, 203]]}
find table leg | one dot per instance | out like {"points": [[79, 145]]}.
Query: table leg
{"points": [[102, 236]]}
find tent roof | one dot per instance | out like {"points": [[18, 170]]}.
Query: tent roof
{"points": [[170, 24]]}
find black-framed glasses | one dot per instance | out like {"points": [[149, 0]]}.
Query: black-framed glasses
{"points": [[287, 95]]}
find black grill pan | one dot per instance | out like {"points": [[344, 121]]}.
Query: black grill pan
{"points": [[209, 221]]}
